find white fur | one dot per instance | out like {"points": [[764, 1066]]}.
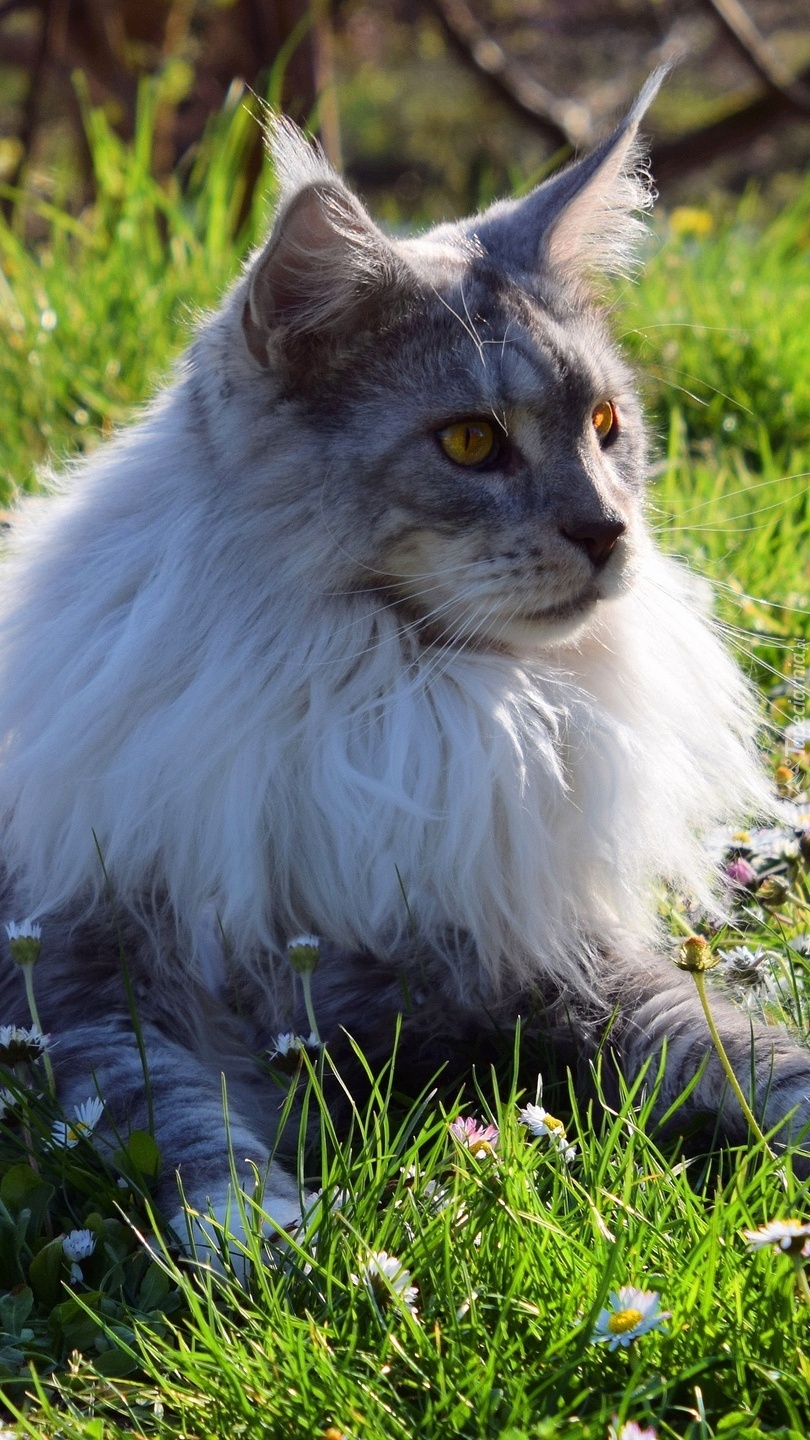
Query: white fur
{"points": [[232, 736]]}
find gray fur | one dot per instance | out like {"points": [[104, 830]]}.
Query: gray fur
{"points": [[283, 659]]}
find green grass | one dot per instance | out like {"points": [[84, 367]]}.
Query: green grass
{"points": [[513, 1255]]}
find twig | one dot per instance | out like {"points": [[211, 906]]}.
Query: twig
{"points": [[564, 121], [760, 55], [698, 147]]}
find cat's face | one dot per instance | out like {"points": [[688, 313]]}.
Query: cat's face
{"points": [[481, 447], [486, 461]]}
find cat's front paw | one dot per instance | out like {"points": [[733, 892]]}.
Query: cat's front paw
{"points": [[220, 1232]]}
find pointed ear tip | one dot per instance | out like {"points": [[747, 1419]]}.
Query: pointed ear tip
{"points": [[650, 89]]}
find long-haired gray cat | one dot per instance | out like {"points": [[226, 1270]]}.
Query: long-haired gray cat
{"points": [[360, 631]]}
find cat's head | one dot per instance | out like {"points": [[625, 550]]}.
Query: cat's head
{"points": [[480, 447]]}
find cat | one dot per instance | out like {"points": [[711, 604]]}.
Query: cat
{"points": [[360, 631]]}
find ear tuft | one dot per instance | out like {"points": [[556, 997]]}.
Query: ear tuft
{"points": [[587, 218], [296, 160], [325, 261]]}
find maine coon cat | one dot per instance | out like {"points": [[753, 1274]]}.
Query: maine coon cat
{"points": [[360, 631]]}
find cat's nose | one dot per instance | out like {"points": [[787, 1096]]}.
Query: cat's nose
{"points": [[596, 537]]}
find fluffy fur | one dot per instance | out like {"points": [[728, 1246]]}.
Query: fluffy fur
{"points": [[285, 667]]}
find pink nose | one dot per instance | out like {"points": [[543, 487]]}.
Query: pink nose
{"points": [[596, 537]]}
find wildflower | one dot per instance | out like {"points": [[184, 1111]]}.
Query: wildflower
{"points": [[630, 1313], [631, 1430], [289, 1049], [745, 967], [790, 1236], [384, 1274], [775, 842], [24, 941], [66, 1134], [18, 1045], [78, 1245], [480, 1140], [303, 953], [543, 1125], [319, 1204], [696, 954], [741, 873]]}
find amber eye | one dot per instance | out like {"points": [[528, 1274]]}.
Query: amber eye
{"points": [[604, 419], [468, 442]]}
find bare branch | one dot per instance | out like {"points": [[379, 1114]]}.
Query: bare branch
{"points": [[698, 147], [564, 122], [760, 55]]}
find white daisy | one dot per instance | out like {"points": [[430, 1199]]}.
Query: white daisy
{"points": [[26, 930], [66, 1133], [18, 1044], [773, 842], [384, 1274], [543, 1125], [630, 1313], [791, 1236], [746, 967], [290, 1044], [78, 1245]]}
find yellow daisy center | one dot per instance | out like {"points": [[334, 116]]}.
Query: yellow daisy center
{"points": [[624, 1320], [554, 1125], [480, 1149]]}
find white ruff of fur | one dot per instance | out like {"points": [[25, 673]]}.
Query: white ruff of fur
{"points": [[231, 735]]}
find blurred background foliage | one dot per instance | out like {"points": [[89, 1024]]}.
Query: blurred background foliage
{"points": [[133, 181], [431, 105]]}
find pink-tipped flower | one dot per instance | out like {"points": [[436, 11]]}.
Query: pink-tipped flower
{"points": [[480, 1140]]}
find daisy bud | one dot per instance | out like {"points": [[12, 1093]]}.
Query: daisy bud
{"points": [[303, 953], [741, 874], [696, 955], [24, 942], [773, 892]]}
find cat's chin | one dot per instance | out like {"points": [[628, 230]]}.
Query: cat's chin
{"points": [[554, 625]]}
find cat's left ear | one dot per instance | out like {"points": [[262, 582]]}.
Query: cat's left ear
{"points": [[586, 218]]}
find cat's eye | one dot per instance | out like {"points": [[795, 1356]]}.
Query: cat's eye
{"points": [[469, 442], [604, 420]]}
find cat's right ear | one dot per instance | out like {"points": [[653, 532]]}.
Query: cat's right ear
{"points": [[325, 265]]}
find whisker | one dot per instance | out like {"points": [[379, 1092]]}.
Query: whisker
{"points": [[747, 489], [687, 375]]}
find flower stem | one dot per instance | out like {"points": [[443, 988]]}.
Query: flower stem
{"points": [[700, 981], [307, 989], [28, 976], [28, 1140]]}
